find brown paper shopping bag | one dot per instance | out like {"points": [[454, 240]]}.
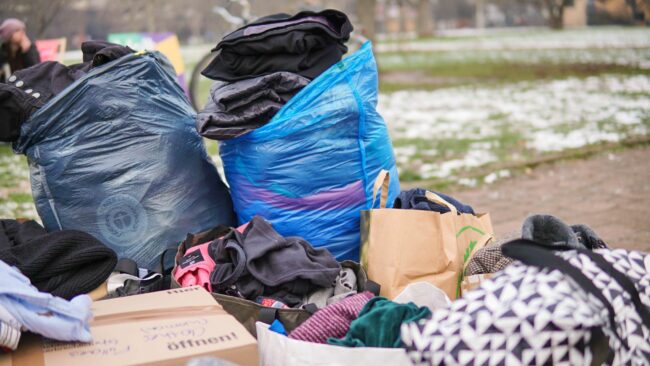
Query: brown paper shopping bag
{"points": [[400, 246]]}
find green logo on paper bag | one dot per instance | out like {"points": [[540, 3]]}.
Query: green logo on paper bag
{"points": [[468, 251]]}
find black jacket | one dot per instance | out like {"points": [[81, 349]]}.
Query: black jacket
{"points": [[28, 89], [307, 44]]}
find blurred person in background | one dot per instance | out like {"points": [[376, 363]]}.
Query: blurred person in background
{"points": [[17, 51]]}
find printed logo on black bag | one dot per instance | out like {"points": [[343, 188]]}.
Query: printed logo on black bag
{"points": [[122, 220], [191, 259]]}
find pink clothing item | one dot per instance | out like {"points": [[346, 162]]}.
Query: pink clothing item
{"points": [[196, 265], [271, 303], [331, 321]]}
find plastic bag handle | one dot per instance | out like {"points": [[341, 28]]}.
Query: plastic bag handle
{"points": [[382, 181]]}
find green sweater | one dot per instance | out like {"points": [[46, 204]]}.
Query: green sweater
{"points": [[379, 323]]}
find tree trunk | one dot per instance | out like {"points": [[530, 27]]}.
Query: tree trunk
{"points": [[366, 16], [46, 12], [151, 17], [425, 18], [402, 16], [555, 13], [479, 15]]}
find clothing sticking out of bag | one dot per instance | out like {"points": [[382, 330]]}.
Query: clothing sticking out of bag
{"points": [[415, 199], [307, 44], [271, 170], [41, 312], [576, 307], [378, 324], [15, 107], [112, 185], [278, 327], [346, 285], [260, 262], [195, 266], [402, 246], [236, 108], [271, 303], [127, 279], [29, 89], [545, 229], [98, 53], [64, 263], [333, 321]]}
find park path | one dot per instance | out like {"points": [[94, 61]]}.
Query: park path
{"points": [[609, 192]]}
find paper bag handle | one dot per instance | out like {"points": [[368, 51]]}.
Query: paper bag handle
{"points": [[482, 242], [382, 181], [439, 200]]}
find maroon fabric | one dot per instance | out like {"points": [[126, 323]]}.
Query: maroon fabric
{"points": [[331, 321]]}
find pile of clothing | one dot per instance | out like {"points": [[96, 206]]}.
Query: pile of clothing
{"points": [[48, 281], [361, 320], [24, 308], [256, 263], [29, 89], [562, 297], [64, 263], [67, 264], [259, 67], [554, 294], [575, 307]]}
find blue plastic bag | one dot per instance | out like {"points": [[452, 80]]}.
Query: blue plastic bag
{"points": [[116, 155], [311, 169]]}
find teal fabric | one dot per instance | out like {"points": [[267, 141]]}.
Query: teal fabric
{"points": [[379, 323]]}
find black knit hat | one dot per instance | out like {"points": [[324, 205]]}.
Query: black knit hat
{"points": [[64, 263]]}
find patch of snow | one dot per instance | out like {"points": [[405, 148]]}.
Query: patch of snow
{"points": [[546, 116], [467, 182], [538, 38]]}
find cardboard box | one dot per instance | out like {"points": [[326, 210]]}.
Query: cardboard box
{"points": [[160, 328]]}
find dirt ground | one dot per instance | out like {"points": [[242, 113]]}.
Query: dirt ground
{"points": [[610, 192]]}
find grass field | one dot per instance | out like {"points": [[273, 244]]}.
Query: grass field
{"points": [[464, 109], [444, 135]]}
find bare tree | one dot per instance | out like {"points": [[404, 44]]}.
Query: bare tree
{"points": [[479, 15], [39, 14], [555, 10], [639, 8], [366, 10], [424, 18]]}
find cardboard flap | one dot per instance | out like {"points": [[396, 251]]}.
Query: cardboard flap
{"points": [[186, 300]]}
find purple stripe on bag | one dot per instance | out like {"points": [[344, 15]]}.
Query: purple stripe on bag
{"points": [[350, 195]]}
